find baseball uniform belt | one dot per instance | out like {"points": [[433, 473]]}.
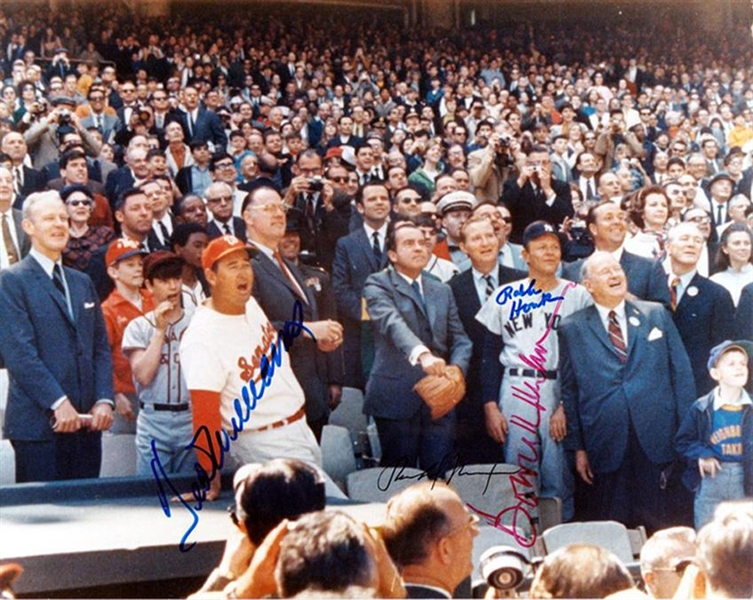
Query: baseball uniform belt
{"points": [[297, 416], [532, 373], [167, 407]]}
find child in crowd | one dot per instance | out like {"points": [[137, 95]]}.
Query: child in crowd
{"points": [[124, 260], [716, 436], [152, 345]]}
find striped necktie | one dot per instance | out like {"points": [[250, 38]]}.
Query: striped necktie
{"points": [[615, 336]]}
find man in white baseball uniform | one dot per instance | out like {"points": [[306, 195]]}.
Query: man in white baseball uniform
{"points": [[246, 399]]}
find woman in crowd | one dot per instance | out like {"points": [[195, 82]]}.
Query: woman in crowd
{"points": [[84, 239], [431, 167], [733, 260], [648, 210]]}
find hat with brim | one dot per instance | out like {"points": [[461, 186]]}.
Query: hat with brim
{"points": [[539, 229], [721, 176], [122, 249], [458, 200], [219, 248], [728, 346]]}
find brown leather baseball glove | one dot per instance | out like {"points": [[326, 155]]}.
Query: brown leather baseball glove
{"points": [[442, 392]]}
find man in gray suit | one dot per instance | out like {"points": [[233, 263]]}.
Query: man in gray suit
{"points": [[417, 332]]}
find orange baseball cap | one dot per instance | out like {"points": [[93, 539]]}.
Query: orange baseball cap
{"points": [[121, 249], [219, 248]]}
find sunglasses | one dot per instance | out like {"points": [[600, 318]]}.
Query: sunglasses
{"points": [[76, 203]]}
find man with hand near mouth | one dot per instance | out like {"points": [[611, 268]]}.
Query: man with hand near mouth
{"points": [[152, 344]]}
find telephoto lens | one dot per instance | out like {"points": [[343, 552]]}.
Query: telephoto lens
{"points": [[503, 567]]}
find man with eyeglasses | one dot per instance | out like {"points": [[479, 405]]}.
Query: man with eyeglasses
{"points": [[535, 195], [429, 534], [127, 91], [323, 220], [279, 287], [222, 168], [220, 201], [407, 201]]}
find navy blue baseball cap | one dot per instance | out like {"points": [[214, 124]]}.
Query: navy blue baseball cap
{"points": [[721, 349], [538, 229]]}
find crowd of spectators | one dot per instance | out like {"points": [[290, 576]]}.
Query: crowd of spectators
{"points": [[335, 149]]}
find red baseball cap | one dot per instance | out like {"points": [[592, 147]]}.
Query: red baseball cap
{"points": [[121, 249], [219, 248]]}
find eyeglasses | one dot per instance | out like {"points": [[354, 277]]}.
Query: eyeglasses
{"points": [[272, 207], [473, 521], [221, 200], [338, 179], [413, 200], [159, 98], [96, 99], [75, 203], [224, 166]]}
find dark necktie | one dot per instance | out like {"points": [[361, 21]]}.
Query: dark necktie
{"points": [[589, 189], [310, 208], [165, 234], [10, 249], [226, 225], [377, 248], [673, 292], [419, 295], [489, 290], [57, 279], [719, 214], [19, 180], [615, 335]]}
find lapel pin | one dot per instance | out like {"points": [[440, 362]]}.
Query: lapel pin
{"points": [[692, 291], [634, 321]]}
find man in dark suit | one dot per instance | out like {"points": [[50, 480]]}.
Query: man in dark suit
{"points": [[357, 256], [57, 355], [703, 310], [312, 196], [25, 179], [278, 287], [129, 175], [219, 199], [14, 243], [429, 532], [471, 289], [535, 195], [744, 315], [607, 226], [134, 214], [201, 124], [417, 332], [626, 382]]}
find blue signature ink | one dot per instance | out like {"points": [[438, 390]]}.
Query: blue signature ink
{"points": [[202, 441], [515, 295]]}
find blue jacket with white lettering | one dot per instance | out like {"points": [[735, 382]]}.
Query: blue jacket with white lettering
{"points": [[693, 441]]}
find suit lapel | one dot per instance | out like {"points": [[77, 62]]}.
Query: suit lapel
{"points": [[594, 322], [45, 283], [365, 245], [402, 287], [637, 326], [272, 270]]}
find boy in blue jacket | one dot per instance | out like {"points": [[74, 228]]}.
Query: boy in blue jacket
{"points": [[716, 435]]}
